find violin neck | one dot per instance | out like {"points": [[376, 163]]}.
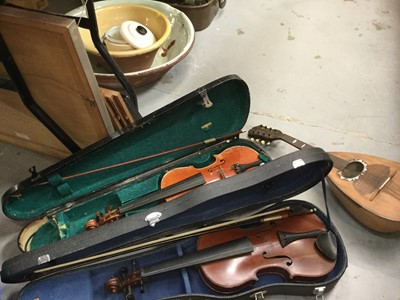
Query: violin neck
{"points": [[177, 188], [233, 248]]}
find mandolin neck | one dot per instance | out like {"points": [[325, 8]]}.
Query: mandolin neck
{"points": [[337, 162], [294, 142]]}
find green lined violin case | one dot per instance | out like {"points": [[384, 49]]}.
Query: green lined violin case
{"points": [[199, 131]]}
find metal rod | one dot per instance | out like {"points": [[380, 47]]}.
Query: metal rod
{"points": [[94, 32]]}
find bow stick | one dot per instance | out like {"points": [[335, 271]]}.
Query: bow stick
{"points": [[122, 253], [128, 162]]}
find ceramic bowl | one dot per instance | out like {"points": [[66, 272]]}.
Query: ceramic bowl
{"points": [[113, 15], [175, 48]]}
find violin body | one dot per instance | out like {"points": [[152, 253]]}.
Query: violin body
{"points": [[229, 162], [300, 260], [223, 167], [372, 193]]}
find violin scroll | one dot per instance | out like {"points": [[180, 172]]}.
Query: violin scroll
{"points": [[110, 216], [114, 285], [124, 281]]}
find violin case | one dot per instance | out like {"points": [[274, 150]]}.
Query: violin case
{"points": [[56, 203]]}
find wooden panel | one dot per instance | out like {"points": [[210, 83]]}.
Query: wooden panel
{"points": [[20, 127], [52, 59], [31, 4]]}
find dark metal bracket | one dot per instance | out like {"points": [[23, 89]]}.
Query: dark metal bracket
{"points": [[90, 23]]}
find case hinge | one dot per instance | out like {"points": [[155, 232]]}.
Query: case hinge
{"points": [[259, 295], [206, 100], [319, 292]]}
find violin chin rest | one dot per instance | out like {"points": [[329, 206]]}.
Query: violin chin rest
{"points": [[327, 244]]}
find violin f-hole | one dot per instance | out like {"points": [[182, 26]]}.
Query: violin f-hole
{"points": [[288, 261]]}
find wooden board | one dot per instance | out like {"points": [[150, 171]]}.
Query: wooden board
{"points": [[50, 55], [20, 127], [31, 4]]}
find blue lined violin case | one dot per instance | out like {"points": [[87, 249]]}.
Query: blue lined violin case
{"points": [[62, 260]]}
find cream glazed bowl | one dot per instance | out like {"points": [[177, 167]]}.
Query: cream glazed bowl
{"points": [[137, 58], [175, 48]]}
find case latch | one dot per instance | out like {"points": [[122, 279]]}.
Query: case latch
{"points": [[206, 100], [43, 259], [298, 163], [259, 295], [319, 292], [153, 218]]}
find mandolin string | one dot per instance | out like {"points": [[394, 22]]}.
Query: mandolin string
{"points": [[326, 201]]}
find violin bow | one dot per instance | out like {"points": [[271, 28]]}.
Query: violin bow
{"points": [[139, 159], [217, 142], [123, 253]]}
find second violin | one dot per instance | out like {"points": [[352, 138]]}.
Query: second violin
{"points": [[297, 246]]}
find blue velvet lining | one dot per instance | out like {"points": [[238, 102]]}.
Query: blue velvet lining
{"points": [[89, 283]]}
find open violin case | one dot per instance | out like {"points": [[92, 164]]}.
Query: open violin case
{"points": [[179, 235]]}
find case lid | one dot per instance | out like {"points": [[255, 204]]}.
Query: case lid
{"points": [[212, 111]]}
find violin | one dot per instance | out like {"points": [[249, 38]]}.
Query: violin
{"points": [[228, 163], [298, 250], [231, 259], [174, 183]]}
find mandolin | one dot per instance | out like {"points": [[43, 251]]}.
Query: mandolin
{"points": [[367, 186]]}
